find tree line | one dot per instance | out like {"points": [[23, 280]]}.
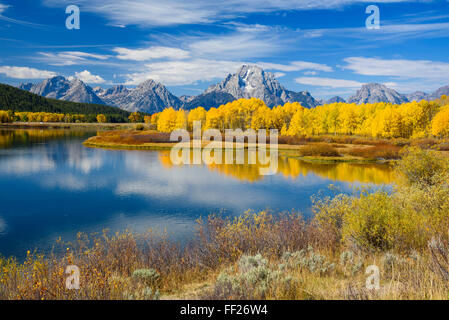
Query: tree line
{"points": [[378, 120], [17, 101]]}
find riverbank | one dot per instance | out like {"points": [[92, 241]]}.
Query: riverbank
{"points": [[62, 125]]}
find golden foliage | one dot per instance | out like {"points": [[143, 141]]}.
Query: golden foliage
{"points": [[440, 124], [377, 120], [101, 118]]}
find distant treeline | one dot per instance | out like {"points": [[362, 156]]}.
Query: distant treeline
{"points": [[16, 100]]}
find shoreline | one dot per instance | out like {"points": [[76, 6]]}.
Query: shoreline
{"points": [[63, 125]]}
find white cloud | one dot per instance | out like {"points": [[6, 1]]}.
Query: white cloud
{"points": [[88, 77], [279, 74], [26, 165], [296, 66], [151, 53], [3, 7], [401, 68], [68, 58], [175, 12], [328, 82], [310, 73], [25, 73], [184, 72], [249, 42]]}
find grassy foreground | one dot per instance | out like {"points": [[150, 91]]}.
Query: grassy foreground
{"points": [[266, 256]]}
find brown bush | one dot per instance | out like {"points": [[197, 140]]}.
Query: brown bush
{"points": [[424, 143], [132, 137], [387, 152], [291, 140], [319, 149], [442, 146]]}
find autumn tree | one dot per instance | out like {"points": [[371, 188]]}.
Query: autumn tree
{"points": [[197, 114], [135, 117], [170, 120], [147, 119], [101, 118], [4, 117], [440, 124]]}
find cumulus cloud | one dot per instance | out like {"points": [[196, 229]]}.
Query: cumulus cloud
{"points": [[151, 53], [328, 82], [25, 72], [88, 77]]}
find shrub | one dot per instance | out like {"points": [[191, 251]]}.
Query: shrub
{"points": [[444, 146], [4, 117], [388, 152], [424, 143], [310, 260], [423, 167], [404, 218], [253, 280], [350, 263], [319, 149], [149, 277], [368, 224], [291, 140]]}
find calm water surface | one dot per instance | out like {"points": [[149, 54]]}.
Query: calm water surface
{"points": [[51, 186]]}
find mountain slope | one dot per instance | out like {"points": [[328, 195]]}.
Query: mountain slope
{"points": [[209, 100], [335, 99], [375, 92], [114, 96], [417, 96], [439, 92], [63, 89], [150, 96]]}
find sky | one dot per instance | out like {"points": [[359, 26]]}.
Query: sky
{"points": [[322, 46]]}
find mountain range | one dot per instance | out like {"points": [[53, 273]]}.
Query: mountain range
{"points": [[248, 82]]}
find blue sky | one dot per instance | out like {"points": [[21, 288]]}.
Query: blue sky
{"points": [[321, 46]]}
